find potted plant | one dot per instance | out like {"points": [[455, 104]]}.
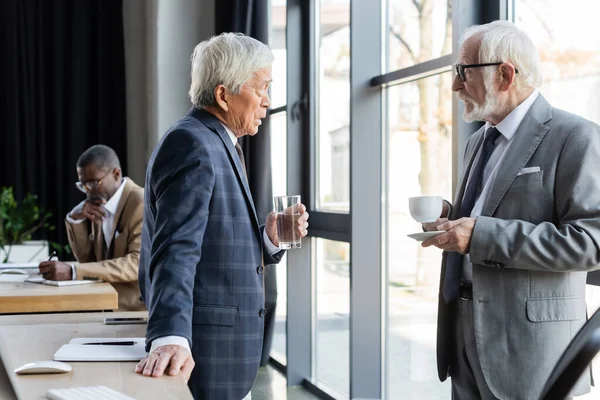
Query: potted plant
{"points": [[18, 222]]}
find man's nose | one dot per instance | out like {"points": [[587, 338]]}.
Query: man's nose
{"points": [[457, 84], [266, 103]]}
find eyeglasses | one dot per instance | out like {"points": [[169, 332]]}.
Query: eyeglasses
{"points": [[460, 69], [88, 186]]}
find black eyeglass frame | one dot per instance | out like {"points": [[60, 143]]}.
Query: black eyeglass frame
{"points": [[460, 69]]}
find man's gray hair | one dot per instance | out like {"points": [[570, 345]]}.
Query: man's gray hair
{"points": [[102, 157], [230, 59], [502, 41]]}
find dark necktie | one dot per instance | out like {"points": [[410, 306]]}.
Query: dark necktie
{"points": [[454, 260], [240, 152]]}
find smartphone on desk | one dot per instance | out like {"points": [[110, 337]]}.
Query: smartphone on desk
{"points": [[125, 321]]}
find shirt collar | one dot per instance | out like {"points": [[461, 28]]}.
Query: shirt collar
{"points": [[112, 204], [231, 134], [509, 125]]}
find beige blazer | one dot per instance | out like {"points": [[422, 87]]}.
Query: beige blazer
{"points": [[119, 264]]}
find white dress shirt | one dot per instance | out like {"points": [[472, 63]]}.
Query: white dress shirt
{"points": [[108, 222], [181, 341], [507, 128]]}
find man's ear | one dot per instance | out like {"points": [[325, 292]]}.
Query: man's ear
{"points": [[508, 76], [118, 174], [222, 97]]}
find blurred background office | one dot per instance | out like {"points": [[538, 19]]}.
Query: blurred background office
{"points": [[362, 118]]}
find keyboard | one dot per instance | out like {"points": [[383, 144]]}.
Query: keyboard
{"points": [[87, 393]]}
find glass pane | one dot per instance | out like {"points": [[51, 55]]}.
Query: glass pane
{"points": [[279, 349], [277, 44], [419, 150], [333, 314], [278, 9], [279, 176], [417, 31], [333, 107], [570, 57]]}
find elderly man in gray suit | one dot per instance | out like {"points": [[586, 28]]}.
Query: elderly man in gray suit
{"points": [[203, 248], [524, 229]]}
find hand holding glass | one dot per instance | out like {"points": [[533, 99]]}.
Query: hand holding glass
{"points": [[288, 214]]}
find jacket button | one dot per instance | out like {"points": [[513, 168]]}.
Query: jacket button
{"points": [[262, 312], [260, 269]]}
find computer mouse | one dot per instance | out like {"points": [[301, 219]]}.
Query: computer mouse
{"points": [[43, 367], [13, 271]]}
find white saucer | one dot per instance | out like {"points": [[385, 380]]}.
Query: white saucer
{"points": [[420, 236]]}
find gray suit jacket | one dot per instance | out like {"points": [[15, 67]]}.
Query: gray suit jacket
{"points": [[531, 248]]}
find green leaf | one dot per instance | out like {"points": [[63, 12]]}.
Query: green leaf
{"points": [[20, 220]]}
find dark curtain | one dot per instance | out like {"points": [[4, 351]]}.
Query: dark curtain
{"points": [[63, 89], [251, 18]]}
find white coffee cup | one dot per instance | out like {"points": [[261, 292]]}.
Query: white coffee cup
{"points": [[425, 209]]}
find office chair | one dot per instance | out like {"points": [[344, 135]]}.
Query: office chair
{"points": [[574, 361]]}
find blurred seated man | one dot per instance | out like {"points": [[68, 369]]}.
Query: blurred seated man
{"points": [[105, 230]]}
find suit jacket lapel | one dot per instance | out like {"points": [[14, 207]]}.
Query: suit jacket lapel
{"points": [[215, 125], [525, 142]]}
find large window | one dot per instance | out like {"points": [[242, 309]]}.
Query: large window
{"points": [[417, 31], [333, 314], [278, 138], [277, 44], [371, 122], [420, 157], [279, 173], [331, 137], [570, 57], [418, 148], [333, 107]]}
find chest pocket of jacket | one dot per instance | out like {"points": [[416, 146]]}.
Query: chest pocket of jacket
{"points": [[532, 179], [525, 190]]}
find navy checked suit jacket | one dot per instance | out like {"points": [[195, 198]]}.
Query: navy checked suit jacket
{"points": [[202, 250]]}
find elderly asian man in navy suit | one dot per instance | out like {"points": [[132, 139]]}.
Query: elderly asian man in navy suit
{"points": [[203, 249]]}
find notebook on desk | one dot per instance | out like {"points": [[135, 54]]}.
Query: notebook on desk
{"points": [[10, 278], [19, 265], [39, 279], [13, 275], [78, 350]]}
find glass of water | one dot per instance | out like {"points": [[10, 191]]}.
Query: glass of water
{"points": [[288, 213]]}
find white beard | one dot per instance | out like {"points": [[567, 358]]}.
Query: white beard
{"points": [[484, 111]]}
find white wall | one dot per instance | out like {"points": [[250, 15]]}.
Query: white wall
{"points": [[160, 36]]}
